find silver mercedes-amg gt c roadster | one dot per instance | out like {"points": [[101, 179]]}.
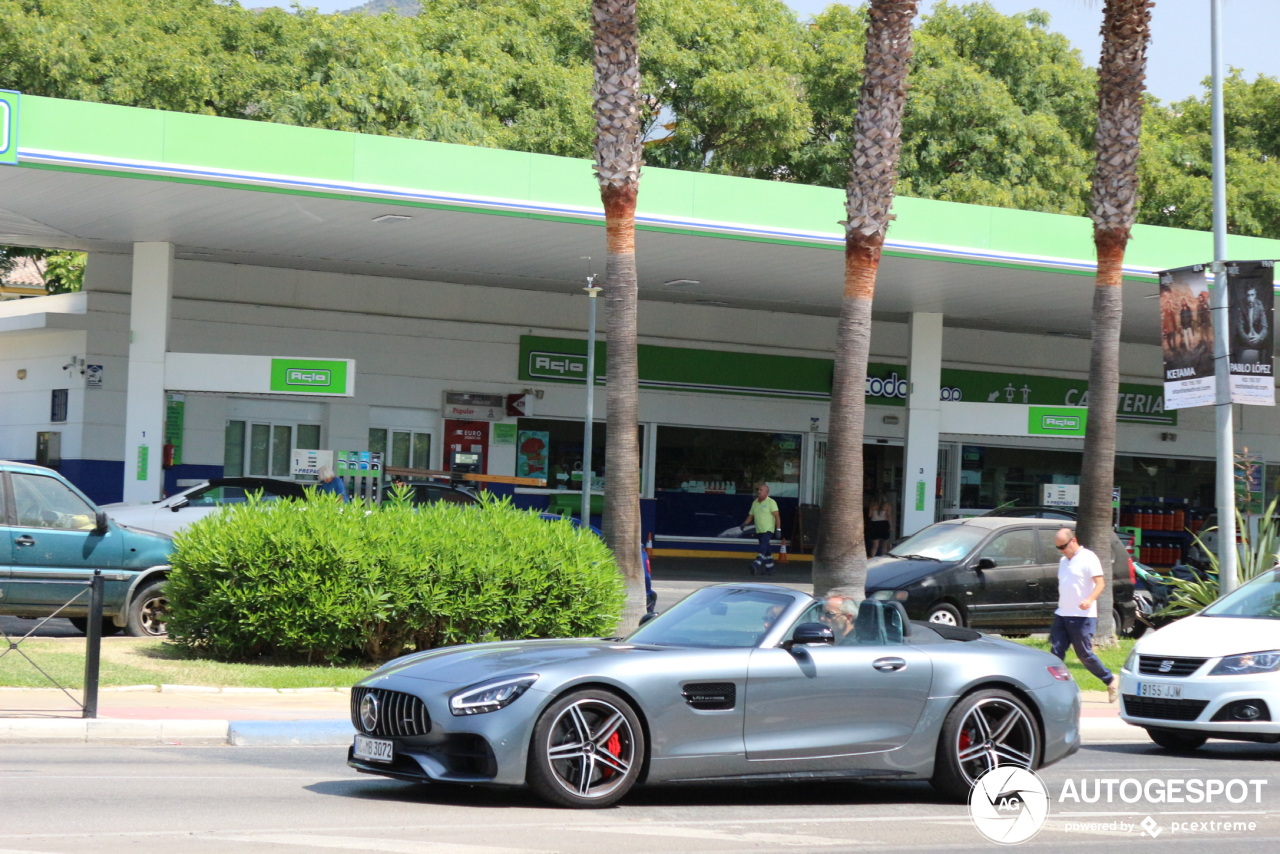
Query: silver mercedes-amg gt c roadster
{"points": [[738, 682]]}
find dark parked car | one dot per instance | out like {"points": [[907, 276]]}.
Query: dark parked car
{"points": [[429, 493], [995, 573]]}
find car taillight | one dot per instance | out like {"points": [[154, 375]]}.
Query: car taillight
{"points": [[1133, 572], [1059, 672]]}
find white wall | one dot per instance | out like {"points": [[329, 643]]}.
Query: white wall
{"points": [[414, 340]]}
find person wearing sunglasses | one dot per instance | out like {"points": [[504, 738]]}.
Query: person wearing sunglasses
{"points": [[838, 613], [1080, 583]]}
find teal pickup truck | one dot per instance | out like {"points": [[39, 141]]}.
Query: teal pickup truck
{"points": [[54, 538]]}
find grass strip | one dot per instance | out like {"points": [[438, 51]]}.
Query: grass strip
{"points": [[142, 661]]}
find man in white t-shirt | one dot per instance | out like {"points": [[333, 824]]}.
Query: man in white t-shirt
{"points": [[1081, 581]]}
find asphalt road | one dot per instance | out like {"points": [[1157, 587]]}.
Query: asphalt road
{"points": [[234, 800]]}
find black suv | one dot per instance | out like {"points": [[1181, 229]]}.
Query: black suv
{"points": [[997, 574]]}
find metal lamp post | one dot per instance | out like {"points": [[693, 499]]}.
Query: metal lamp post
{"points": [[1222, 324], [592, 293]]}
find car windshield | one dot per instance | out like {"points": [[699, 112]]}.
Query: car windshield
{"points": [[1257, 600], [940, 542], [716, 617]]}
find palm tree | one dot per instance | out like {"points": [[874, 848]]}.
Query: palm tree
{"points": [[616, 100], [1126, 30], [840, 562]]}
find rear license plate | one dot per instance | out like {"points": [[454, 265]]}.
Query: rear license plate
{"points": [[1160, 689], [374, 749]]}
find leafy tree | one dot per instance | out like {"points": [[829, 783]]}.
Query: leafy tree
{"points": [[1177, 170], [722, 85], [61, 271], [998, 112]]}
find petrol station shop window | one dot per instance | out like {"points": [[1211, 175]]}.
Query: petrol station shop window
{"points": [[401, 448], [694, 459], [553, 449], [261, 449]]}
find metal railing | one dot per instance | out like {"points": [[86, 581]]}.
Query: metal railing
{"points": [[93, 644]]}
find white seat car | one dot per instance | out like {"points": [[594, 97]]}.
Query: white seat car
{"points": [[171, 514], [1212, 675]]}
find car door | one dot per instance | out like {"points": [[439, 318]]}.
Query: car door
{"points": [[820, 701], [1008, 582], [56, 547]]}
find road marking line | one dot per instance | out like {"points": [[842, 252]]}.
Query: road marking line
{"points": [[366, 843]]}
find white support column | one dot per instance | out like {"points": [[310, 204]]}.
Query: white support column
{"points": [[149, 311], [921, 469]]}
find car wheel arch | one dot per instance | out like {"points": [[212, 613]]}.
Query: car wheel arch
{"points": [[951, 603], [623, 693], [140, 582]]}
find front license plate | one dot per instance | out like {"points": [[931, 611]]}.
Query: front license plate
{"points": [[374, 749], [1160, 689]]}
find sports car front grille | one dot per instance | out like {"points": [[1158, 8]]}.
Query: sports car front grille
{"points": [[1162, 709], [399, 714], [1167, 665]]}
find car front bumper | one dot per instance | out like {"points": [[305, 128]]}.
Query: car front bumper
{"points": [[1207, 705]]}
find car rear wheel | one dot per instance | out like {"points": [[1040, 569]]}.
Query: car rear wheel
{"points": [[947, 615], [149, 612], [1173, 740], [587, 750], [82, 625], [985, 729]]}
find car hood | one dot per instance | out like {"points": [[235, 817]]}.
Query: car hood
{"points": [[1212, 637], [465, 665], [887, 573]]}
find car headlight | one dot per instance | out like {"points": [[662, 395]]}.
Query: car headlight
{"points": [[1247, 663], [1131, 663], [890, 595], [491, 696]]}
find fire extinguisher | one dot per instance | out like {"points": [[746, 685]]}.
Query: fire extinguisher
{"points": [[167, 454]]}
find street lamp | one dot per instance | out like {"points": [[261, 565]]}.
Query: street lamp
{"points": [[592, 293], [1221, 328]]}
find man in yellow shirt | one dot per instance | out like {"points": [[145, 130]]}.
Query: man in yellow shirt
{"points": [[764, 514]]}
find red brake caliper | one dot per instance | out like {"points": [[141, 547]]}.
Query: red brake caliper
{"points": [[614, 746]]}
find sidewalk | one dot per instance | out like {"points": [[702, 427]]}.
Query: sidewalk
{"points": [[180, 714], [259, 717]]}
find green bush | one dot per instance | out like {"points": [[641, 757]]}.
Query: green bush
{"points": [[322, 580]]}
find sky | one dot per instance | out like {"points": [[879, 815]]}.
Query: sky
{"points": [[1177, 61]]}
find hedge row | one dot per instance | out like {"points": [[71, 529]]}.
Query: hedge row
{"points": [[325, 581]]}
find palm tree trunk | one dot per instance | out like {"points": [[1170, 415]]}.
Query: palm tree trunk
{"points": [[1126, 31], [615, 96], [840, 559]]}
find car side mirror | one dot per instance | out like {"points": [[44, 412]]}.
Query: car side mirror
{"points": [[810, 633], [985, 563], [178, 505], [100, 525]]}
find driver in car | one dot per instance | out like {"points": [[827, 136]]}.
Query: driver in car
{"points": [[838, 613]]}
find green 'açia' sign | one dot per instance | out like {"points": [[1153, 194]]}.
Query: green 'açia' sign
{"points": [[309, 376], [1056, 421]]}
